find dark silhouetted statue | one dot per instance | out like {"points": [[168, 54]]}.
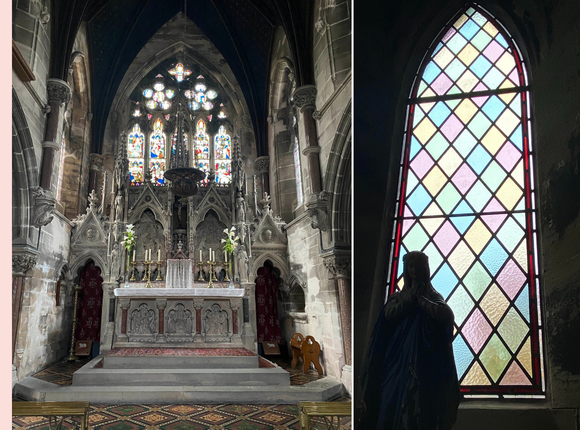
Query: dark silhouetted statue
{"points": [[409, 379]]}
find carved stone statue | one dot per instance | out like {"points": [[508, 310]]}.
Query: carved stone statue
{"points": [[243, 263], [119, 206], [409, 379], [115, 263], [240, 208]]}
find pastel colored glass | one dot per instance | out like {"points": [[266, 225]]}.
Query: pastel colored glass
{"points": [[466, 199]]}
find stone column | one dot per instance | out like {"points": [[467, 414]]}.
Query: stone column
{"points": [[107, 323], [249, 333], [305, 98], [96, 163], [262, 168], [161, 305], [58, 92], [339, 266], [198, 307], [124, 304]]}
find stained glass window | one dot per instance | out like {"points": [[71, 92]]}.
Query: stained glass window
{"points": [[180, 72], [135, 152], [222, 157], [467, 199], [201, 152], [157, 153]]}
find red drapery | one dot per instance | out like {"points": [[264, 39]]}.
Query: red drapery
{"points": [[267, 306], [90, 304]]}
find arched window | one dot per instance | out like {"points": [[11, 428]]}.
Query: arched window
{"points": [[60, 168], [157, 148], [135, 153], [201, 152], [223, 157], [467, 199], [299, 194]]}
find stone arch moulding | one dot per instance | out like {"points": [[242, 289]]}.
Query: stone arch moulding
{"points": [[278, 80], [223, 217], [82, 259], [277, 261], [157, 212]]}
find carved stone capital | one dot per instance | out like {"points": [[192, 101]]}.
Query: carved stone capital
{"points": [[58, 90], [338, 265], [262, 164], [50, 144], [305, 97], [96, 161], [317, 209], [311, 149], [125, 303], [22, 263], [317, 115], [198, 305], [44, 205], [161, 303]]}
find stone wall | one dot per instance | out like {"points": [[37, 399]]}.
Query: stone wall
{"points": [[321, 297], [544, 32]]}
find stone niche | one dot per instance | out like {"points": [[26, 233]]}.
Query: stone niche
{"points": [[149, 233], [209, 234]]}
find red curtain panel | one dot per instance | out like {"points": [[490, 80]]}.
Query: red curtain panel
{"points": [[90, 304], [267, 306]]}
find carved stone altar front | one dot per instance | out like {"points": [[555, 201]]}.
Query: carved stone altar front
{"points": [[197, 317]]}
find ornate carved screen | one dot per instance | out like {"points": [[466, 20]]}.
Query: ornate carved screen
{"points": [[466, 198]]}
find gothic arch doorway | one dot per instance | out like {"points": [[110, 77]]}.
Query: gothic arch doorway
{"points": [[267, 322], [90, 303]]}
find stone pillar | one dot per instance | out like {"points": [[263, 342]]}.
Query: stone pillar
{"points": [[305, 98], [339, 265], [107, 326], [235, 319], [58, 92], [161, 305], [262, 168], [22, 263], [124, 304], [249, 334], [96, 163], [198, 307]]}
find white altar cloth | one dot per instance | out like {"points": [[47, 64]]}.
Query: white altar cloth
{"points": [[179, 274]]}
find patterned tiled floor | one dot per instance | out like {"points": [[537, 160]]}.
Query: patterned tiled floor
{"points": [[183, 417]]}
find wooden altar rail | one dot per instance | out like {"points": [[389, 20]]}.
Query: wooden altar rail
{"points": [[326, 410], [53, 410]]}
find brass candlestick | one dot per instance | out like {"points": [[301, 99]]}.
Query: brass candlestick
{"points": [[134, 264], [148, 273], [72, 356], [211, 274], [200, 264], [227, 278], [159, 275]]}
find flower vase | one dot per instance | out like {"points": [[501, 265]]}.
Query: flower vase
{"points": [[232, 286]]}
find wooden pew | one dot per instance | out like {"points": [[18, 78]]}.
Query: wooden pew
{"points": [[53, 410], [308, 350]]}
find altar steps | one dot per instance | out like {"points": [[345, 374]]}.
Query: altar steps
{"points": [[180, 379]]}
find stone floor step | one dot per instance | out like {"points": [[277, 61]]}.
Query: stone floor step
{"points": [[190, 377], [199, 362], [326, 389]]}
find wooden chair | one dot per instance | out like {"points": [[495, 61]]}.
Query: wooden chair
{"points": [[308, 350]]}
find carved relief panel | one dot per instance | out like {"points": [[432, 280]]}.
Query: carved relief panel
{"points": [[142, 323]]}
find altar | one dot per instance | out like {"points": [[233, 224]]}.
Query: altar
{"points": [[200, 317]]}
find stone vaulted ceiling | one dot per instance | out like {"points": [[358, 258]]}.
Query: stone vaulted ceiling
{"points": [[242, 30]]}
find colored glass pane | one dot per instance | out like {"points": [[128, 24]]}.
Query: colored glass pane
{"points": [[180, 72], [222, 146], [135, 143], [157, 169], [157, 147], [201, 148], [463, 202], [136, 171]]}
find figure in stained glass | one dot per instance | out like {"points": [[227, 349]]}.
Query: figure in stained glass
{"points": [[135, 143], [467, 201], [222, 156]]}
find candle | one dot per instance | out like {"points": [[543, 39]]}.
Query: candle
{"points": [[226, 256], [209, 256], [214, 256], [133, 255], [149, 259], [200, 256], [158, 255]]}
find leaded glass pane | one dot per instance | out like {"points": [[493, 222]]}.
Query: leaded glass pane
{"points": [[201, 152], [222, 157], [465, 201], [135, 153], [157, 153]]}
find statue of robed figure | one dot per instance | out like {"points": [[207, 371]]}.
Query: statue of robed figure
{"points": [[409, 379]]}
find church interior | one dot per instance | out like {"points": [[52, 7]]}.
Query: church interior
{"points": [[181, 197], [406, 53]]}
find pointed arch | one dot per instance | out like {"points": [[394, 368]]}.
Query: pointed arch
{"points": [[466, 198]]}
